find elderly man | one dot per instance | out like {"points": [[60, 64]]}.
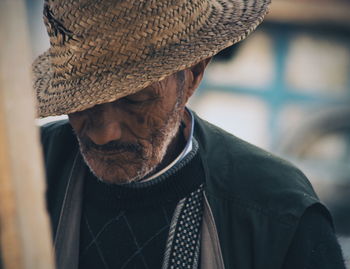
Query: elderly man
{"points": [[137, 180]]}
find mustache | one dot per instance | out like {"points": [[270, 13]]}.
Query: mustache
{"points": [[110, 147]]}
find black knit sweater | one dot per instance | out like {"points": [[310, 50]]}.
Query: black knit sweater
{"points": [[127, 226]]}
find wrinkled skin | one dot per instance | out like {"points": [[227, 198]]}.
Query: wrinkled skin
{"points": [[135, 136]]}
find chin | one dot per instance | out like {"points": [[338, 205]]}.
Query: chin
{"points": [[114, 171]]}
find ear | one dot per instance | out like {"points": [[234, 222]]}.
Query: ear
{"points": [[194, 76]]}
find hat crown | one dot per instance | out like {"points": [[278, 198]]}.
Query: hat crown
{"points": [[84, 33], [147, 21]]}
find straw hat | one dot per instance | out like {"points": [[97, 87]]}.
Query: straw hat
{"points": [[106, 49]]}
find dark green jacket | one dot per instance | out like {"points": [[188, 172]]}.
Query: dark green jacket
{"points": [[257, 199]]}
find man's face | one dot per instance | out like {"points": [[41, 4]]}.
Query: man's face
{"points": [[125, 140]]}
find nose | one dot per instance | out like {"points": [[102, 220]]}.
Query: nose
{"points": [[105, 124]]}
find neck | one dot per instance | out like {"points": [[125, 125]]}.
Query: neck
{"points": [[177, 145], [174, 149]]}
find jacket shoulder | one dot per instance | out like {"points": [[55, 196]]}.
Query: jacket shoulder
{"points": [[251, 177], [55, 128], [59, 144], [57, 133]]}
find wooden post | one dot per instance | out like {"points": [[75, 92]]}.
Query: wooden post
{"points": [[25, 237]]}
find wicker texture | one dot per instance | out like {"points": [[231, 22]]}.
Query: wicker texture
{"points": [[103, 50]]}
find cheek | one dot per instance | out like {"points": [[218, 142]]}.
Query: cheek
{"points": [[76, 122], [156, 118], [148, 119]]}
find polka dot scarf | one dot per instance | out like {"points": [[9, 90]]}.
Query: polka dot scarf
{"points": [[183, 246]]}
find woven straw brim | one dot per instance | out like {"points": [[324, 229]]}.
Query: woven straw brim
{"points": [[228, 23]]}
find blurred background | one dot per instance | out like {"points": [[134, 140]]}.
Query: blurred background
{"points": [[286, 89]]}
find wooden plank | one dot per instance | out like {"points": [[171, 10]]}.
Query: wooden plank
{"points": [[25, 233]]}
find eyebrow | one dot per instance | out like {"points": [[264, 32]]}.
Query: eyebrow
{"points": [[151, 91]]}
